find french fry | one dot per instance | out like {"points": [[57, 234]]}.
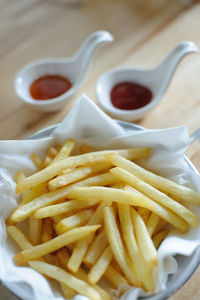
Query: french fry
{"points": [[116, 245], [17, 235], [36, 159], [47, 161], [77, 174], [64, 151], [152, 223], [54, 244], [159, 237], [75, 161], [97, 271], [144, 213], [19, 177], [159, 182], [168, 215], [58, 209], [81, 247], [76, 220], [145, 243], [156, 195], [35, 192], [142, 271], [115, 278], [67, 291], [160, 226], [35, 229], [63, 257], [24, 211], [60, 275], [116, 195], [96, 248], [52, 152], [47, 230]]}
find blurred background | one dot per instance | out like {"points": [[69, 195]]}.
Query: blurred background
{"points": [[144, 32]]}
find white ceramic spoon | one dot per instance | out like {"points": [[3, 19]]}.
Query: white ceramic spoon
{"points": [[74, 68], [156, 79]]}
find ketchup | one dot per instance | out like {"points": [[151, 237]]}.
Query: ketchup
{"points": [[49, 86], [130, 95]]}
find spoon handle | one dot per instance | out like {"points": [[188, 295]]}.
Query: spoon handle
{"points": [[167, 67], [84, 55]]}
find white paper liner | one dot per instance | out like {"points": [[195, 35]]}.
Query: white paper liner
{"points": [[87, 123]]}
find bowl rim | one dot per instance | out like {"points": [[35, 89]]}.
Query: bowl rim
{"points": [[195, 257]]}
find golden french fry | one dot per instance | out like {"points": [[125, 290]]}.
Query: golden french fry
{"points": [[75, 161], [145, 243], [58, 209], [35, 192], [60, 275], [52, 152], [116, 245], [160, 226], [156, 195], [24, 211], [77, 174], [19, 177], [143, 273], [159, 237], [81, 247], [96, 248], [76, 220], [144, 213], [63, 257], [159, 182], [152, 223], [35, 229], [17, 235], [54, 244], [47, 230], [64, 151], [47, 161], [115, 278], [97, 271], [36, 160], [116, 195], [67, 291], [168, 215]]}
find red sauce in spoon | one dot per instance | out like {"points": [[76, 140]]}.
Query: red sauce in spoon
{"points": [[49, 86], [130, 95]]}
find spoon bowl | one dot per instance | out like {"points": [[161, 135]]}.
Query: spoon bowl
{"points": [[74, 68], [156, 79]]}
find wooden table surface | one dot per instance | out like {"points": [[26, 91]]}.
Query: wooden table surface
{"points": [[144, 32]]}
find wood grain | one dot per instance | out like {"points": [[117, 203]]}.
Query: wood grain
{"points": [[144, 31]]}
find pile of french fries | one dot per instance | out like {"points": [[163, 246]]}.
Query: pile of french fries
{"points": [[96, 215]]}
